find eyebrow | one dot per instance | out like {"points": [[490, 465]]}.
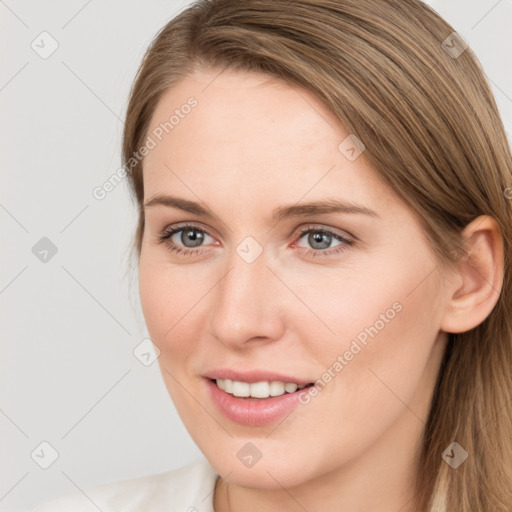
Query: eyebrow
{"points": [[330, 205]]}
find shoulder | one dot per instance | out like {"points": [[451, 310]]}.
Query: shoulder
{"points": [[189, 488]]}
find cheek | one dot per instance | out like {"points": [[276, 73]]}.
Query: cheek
{"points": [[344, 304], [155, 299], [375, 328], [376, 361], [172, 300], [163, 299]]}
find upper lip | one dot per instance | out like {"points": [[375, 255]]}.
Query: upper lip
{"points": [[253, 376]]}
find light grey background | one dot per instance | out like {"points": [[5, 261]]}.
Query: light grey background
{"points": [[70, 325]]}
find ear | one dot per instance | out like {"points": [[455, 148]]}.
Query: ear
{"points": [[479, 277]]}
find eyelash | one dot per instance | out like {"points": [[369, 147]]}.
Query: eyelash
{"points": [[166, 234]]}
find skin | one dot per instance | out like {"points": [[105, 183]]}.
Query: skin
{"points": [[253, 144]]}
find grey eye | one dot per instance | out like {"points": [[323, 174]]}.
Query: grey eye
{"points": [[190, 237], [318, 239]]}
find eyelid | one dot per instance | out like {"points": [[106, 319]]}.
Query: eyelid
{"points": [[345, 241], [174, 228], [301, 230], [295, 233]]}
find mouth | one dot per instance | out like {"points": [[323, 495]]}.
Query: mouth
{"points": [[255, 397], [258, 390]]}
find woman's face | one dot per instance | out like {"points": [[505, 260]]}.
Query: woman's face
{"points": [[258, 296]]}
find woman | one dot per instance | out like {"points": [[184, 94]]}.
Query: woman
{"points": [[324, 245]]}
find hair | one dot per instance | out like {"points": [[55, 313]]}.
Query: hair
{"points": [[432, 132]]}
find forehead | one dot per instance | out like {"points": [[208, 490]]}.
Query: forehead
{"points": [[259, 106], [253, 134]]}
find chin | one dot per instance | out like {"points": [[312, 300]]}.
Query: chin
{"points": [[262, 475], [271, 471]]}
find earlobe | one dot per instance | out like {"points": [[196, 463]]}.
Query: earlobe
{"points": [[480, 277]]}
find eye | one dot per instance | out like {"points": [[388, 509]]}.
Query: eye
{"points": [[188, 239], [189, 235], [321, 238]]}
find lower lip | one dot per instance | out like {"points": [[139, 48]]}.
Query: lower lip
{"points": [[256, 412]]}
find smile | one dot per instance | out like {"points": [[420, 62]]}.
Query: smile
{"points": [[256, 403], [263, 389]]}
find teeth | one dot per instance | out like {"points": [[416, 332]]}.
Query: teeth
{"points": [[290, 388], [241, 388], [260, 389], [228, 386], [257, 389], [276, 388]]}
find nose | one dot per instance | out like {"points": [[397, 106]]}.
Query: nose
{"points": [[248, 304]]}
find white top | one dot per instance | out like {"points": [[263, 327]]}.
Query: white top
{"points": [[187, 489]]}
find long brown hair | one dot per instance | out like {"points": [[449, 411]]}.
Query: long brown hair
{"points": [[399, 78]]}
